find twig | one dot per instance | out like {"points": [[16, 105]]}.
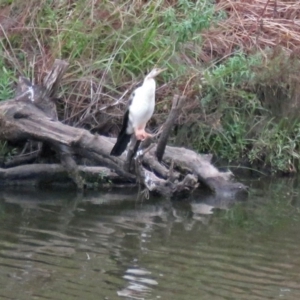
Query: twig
{"points": [[54, 77], [21, 160]]}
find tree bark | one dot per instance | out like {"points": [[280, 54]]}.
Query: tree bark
{"points": [[36, 174], [175, 111]]}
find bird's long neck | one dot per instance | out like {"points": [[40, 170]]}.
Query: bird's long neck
{"points": [[149, 86]]}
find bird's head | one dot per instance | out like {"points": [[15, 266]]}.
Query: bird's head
{"points": [[155, 72]]}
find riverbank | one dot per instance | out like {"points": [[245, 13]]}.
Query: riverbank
{"points": [[237, 64]]}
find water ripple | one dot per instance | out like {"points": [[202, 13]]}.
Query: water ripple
{"points": [[90, 248]]}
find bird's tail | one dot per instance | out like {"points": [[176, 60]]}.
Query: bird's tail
{"points": [[121, 144]]}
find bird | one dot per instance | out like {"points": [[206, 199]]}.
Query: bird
{"points": [[139, 111]]}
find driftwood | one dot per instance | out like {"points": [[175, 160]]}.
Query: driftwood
{"points": [[54, 174], [163, 169]]}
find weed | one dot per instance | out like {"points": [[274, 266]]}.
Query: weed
{"points": [[6, 82], [6, 151], [187, 19], [237, 90]]}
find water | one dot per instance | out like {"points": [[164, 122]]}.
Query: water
{"points": [[108, 245]]}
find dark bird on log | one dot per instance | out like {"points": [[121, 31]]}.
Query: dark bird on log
{"points": [[139, 111]]}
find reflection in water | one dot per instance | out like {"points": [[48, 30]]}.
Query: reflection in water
{"points": [[103, 245]]}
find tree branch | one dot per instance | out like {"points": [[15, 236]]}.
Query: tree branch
{"points": [[177, 104]]}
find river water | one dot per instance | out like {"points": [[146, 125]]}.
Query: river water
{"points": [[111, 245]]}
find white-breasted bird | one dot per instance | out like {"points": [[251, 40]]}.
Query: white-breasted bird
{"points": [[139, 111]]}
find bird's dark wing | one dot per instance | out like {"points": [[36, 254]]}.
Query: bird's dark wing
{"points": [[123, 137]]}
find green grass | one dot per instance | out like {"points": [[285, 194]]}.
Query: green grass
{"points": [[127, 39], [250, 94], [6, 82]]}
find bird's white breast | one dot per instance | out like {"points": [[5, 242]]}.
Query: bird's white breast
{"points": [[142, 106]]}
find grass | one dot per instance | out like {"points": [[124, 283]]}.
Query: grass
{"points": [[6, 82], [235, 87], [248, 112]]}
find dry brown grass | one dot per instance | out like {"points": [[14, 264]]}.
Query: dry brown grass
{"points": [[253, 25]]}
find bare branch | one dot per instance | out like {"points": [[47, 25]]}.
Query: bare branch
{"points": [[175, 111]]}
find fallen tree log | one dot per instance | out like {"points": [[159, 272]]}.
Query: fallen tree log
{"points": [[174, 171], [52, 174], [22, 120]]}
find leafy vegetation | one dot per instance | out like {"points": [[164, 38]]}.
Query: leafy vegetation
{"points": [[241, 88]]}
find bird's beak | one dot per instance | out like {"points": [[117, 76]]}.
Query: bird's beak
{"points": [[161, 70]]}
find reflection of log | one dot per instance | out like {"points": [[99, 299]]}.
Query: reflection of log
{"points": [[26, 117]]}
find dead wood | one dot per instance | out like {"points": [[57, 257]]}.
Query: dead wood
{"points": [[162, 169], [37, 174], [175, 111], [42, 98], [22, 159], [132, 149], [188, 161]]}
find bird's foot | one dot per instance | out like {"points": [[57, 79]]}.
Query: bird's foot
{"points": [[142, 135], [147, 136]]}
